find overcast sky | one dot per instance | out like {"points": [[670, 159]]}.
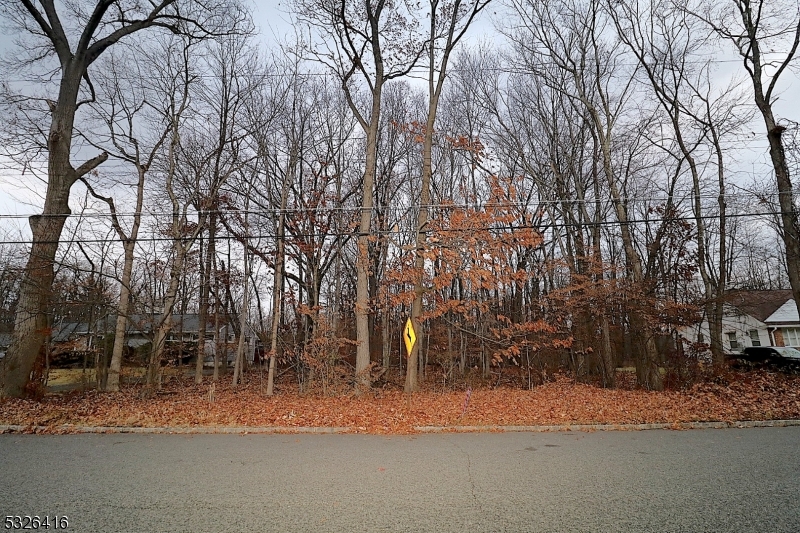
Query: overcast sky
{"points": [[274, 24]]}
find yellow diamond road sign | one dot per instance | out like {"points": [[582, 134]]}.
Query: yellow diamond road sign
{"points": [[409, 336]]}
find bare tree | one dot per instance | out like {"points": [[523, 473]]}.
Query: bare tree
{"points": [[664, 41], [244, 308], [448, 23], [182, 234], [377, 41], [537, 130], [216, 147], [766, 35], [77, 34], [568, 44], [286, 97], [122, 111]]}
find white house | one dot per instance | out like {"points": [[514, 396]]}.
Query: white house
{"points": [[746, 320], [784, 325]]}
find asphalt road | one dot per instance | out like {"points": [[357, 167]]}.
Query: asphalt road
{"points": [[732, 480]]}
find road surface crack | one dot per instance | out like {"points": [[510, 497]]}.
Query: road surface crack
{"points": [[470, 476]]}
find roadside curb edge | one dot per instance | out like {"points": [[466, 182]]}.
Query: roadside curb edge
{"points": [[244, 430], [614, 427]]}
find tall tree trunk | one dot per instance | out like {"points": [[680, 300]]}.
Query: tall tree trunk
{"points": [[244, 311], [789, 219], [165, 321], [597, 271], [277, 287], [129, 246], [277, 295], [112, 382], [715, 320], [31, 320], [181, 244], [412, 380], [647, 372], [217, 347], [205, 290], [386, 332], [362, 308]]}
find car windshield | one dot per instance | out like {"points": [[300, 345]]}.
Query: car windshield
{"points": [[792, 353]]}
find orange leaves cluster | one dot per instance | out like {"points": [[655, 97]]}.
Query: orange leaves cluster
{"points": [[512, 337], [414, 129], [747, 396], [475, 256], [478, 245]]}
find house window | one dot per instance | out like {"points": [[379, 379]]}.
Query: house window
{"points": [[732, 340], [754, 338], [791, 336]]}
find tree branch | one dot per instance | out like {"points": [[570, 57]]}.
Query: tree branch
{"points": [[91, 90], [92, 24], [112, 208], [39, 19], [99, 46], [90, 165], [53, 31]]}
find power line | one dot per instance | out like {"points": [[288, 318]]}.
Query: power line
{"points": [[421, 69], [356, 209], [540, 227]]}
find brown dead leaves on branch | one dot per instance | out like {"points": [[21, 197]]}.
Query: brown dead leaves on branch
{"points": [[472, 262]]}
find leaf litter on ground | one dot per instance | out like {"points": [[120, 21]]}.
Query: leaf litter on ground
{"points": [[739, 396]]}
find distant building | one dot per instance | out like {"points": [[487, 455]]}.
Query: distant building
{"points": [[784, 325], [748, 320], [140, 331]]}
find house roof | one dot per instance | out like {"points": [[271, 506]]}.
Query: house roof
{"points": [[759, 304], [147, 322], [67, 330], [785, 314], [138, 324]]}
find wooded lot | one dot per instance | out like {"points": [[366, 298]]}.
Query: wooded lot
{"points": [[564, 200]]}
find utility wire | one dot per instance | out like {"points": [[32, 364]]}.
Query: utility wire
{"points": [[378, 233], [415, 70], [395, 209]]}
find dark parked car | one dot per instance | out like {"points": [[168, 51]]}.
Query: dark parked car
{"points": [[771, 354]]}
